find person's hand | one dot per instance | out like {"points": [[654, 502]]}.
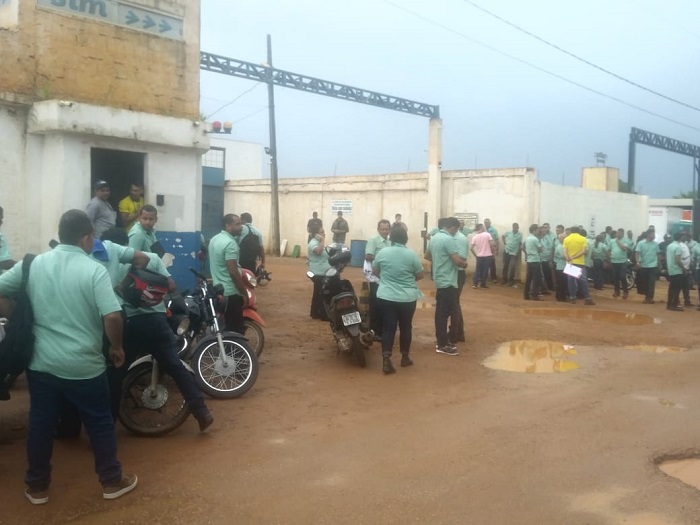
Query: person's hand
{"points": [[117, 356]]}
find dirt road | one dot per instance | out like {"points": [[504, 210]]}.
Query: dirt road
{"points": [[318, 440]]}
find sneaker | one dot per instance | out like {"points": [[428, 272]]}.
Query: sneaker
{"points": [[126, 485], [589, 302], [475, 287], [648, 301], [447, 349], [205, 421], [405, 360], [675, 308], [37, 497]]}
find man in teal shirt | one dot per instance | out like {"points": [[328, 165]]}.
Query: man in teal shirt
{"points": [[512, 244], [456, 330], [676, 273], [73, 303], [547, 239], [223, 264], [618, 259], [534, 281], [444, 254], [374, 246], [6, 261], [494, 237], [142, 235], [648, 262]]}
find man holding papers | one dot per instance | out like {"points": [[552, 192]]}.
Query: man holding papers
{"points": [[575, 248]]}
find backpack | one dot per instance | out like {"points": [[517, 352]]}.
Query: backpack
{"points": [[143, 288], [249, 248], [17, 347]]}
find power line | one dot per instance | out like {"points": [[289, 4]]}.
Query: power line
{"points": [[234, 100], [667, 20], [250, 115], [580, 59], [560, 77]]}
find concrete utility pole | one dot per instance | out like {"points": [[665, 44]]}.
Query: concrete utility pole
{"points": [[434, 170], [274, 180]]}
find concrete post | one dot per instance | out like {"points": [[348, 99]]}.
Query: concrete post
{"points": [[434, 207]]}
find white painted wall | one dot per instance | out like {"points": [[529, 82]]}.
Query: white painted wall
{"points": [[49, 172], [243, 160]]}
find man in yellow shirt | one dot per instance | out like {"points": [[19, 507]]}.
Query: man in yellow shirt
{"points": [[130, 206], [575, 249]]}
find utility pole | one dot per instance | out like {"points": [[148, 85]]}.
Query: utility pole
{"points": [[274, 184]]}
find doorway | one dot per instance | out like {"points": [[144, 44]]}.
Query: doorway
{"points": [[120, 169]]}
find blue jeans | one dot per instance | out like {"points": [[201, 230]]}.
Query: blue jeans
{"points": [[481, 274], [396, 314], [91, 398], [581, 281]]}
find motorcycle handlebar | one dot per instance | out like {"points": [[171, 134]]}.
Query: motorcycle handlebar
{"points": [[201, 276]]}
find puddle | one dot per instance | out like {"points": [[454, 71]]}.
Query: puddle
{"points": [[685, 470], [533, 357], [656, 349], [591, 314]]}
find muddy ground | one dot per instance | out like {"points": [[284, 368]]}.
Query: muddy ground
{"points": [[318, 440]]}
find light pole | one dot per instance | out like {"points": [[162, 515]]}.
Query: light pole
{"points": [[274, 185]]}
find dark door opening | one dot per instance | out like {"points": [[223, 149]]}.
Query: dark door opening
{"points": [[119, 168]]}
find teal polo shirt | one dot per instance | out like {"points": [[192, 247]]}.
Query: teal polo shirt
{"points": [[155, 265], [599, 251], [113, 257], [398, 267], [648, 254], [696, 255], [532, 252], [442, 246], [4, 249], [318, 264], [512, 242], [70, 293], [493, 231], [588, 257], [376, 244], [558, 258], [462, 247], [547, 246], [617, 254], [672, 250], [252, 229], [140, 239], [223, 247]]}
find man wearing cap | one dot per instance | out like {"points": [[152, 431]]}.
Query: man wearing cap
{"points": [[100, 211]]}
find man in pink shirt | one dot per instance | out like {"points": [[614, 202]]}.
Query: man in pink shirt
{"points": [[482, 248]]}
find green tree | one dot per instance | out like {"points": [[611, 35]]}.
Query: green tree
{"points": [[687, 195]]}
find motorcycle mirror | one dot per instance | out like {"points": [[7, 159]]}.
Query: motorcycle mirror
{"points": [[310, 274]]}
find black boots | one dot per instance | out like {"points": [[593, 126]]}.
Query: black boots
{"points": [[388, 368], [405, 360]]}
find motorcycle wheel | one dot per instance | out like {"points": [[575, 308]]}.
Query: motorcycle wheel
{"points": [[225, 383], [631, 284], [359, 352], [151, 413], [255, 336]]}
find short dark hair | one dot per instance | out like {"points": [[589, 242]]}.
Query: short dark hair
{"points": [[678, 236], [148, 208], [398, 235], [74, 225], [116, 235], [383, 221], [246, 217], [137, 184], [228, 219], [451, 222], [534, 228], [441, 223]]}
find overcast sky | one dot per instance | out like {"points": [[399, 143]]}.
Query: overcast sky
{"points": [[497, 112]]}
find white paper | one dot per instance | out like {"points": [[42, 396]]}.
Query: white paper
{"points": [[573, 271], [369, 276]]}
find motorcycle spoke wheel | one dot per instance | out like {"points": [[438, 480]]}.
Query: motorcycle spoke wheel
{"points": [[255, 336], [228, 380], [151, 412]]}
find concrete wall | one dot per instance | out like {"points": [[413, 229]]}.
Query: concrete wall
{"points": [[243, 160], [601, 178], [46, 166], [117, 66]]}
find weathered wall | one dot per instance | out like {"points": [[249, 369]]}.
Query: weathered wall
{"points": [[57, 55], [13, 182], [243, 160]]}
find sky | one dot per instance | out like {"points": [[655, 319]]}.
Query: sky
{"points": [[499, 109]]}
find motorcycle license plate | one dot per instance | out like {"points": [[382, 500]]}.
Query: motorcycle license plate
{"points": [[351, 318]]}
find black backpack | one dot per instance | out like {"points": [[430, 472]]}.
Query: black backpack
{"points": [[249, 248], [17, 347]]}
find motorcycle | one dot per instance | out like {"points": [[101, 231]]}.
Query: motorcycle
{"points": [[252, 320], [224, 364], [631, 275], [340, 302]]}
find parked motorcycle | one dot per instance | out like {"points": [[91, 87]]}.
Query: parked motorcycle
{"points": [[224, 364], [340, 302], [251, 318], [631, 275]]}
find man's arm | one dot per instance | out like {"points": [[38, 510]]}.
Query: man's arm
{"points": [[237, 279], [91, 211], [114, 328], [7, 264], [458, 261]]}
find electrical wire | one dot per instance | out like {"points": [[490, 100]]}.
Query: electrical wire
{"points": [[543, 70], [576, 57], [234, 100], [250, 115]]}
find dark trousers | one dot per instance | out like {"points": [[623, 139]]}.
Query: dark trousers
{"points": [[598, 273], [446, 307], [250, 264], [619, 275], [647, 282], [233, 314], [318, 311], [509, 264], [547, 272], [675, 286], [580, 284], [456, 331], [91, 397], [375, 313], [492, 268], [533, 281], [561, 285], [151, 334], [687, 284], [396, 314], [481, 274]]}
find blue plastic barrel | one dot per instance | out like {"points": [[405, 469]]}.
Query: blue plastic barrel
{"points": [[357, 253]]}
